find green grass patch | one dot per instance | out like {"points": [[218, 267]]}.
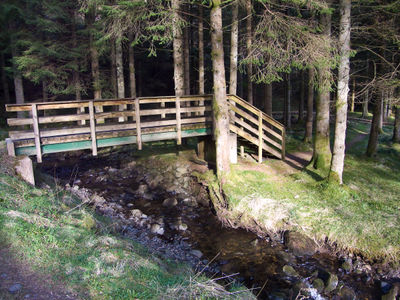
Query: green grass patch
{"points": [[361, 216], [54, 234]]}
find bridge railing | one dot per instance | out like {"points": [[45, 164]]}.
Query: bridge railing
{"points": [[257, 127], [49, 123]]}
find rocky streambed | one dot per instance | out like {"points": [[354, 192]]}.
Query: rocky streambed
{"points": [[156, 201]]}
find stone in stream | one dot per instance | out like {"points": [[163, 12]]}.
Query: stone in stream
{"points": [[157, 229], [137, 213], [318, 284], [347, 265], [300, 244], [196, 253], [331, 283], [170, 202], [142, 189], [347, 293], [290, 271], [15, 288]]}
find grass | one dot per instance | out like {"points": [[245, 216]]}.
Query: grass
{"points": [[84, 252], [361, 216]]}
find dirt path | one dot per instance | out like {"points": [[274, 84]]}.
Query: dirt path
{"points": [[19, 281]]}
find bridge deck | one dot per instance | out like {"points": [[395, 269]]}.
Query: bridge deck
{"points": [[50, 127]]}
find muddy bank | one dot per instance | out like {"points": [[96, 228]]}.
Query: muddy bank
{"points": [[157, 201]]}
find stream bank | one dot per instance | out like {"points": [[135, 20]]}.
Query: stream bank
{"points": [[157, 201]]}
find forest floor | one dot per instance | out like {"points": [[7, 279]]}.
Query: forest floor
{"points": [[361, 216]]}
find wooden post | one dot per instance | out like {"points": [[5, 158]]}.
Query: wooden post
{"points": [[36, 133], [178, 120], [138, 128], [283, 143], [10, 147], [99, 109], [260, 136], [81, 110], [162, 106], [93, 128], [242, 151]]}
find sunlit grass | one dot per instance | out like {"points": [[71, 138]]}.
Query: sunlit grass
{"points": [[361, 216]]}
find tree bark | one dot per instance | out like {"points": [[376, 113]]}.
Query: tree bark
{"points": [[268, 99], [310, 108], [75, 72], [220, 104], [18, 84], [302, 97], [234, 49], [120, 70], [186, 51], [113, 57], [94, 59], [248, 48], [365, 105], [375, 129], [4, 82], [179, 75], [336, 172], [201, 52], [353, 96], [396, 130], [287, 112], [322, 152], [132, 79]]}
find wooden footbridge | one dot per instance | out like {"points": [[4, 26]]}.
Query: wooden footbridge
{"points": [[51, 127]]}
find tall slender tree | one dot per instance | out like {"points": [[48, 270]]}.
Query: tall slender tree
{"points": [[337, 165], [234, 49]]}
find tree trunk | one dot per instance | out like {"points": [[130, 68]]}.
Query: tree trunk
{"points": [[132, 80], [268, 99], [220, 105], [18, 84], [234, 49], [310, 107], [380, 123], [75, 72], [396, 130], [120, 77], [113, 57], [94, 58], [322, 152], [365, 105], [287, 112], [248, 48], [186, 51], [353, 96], [302, 96], [336, 172], [375, 129], [201, 52], [179, 75], [45, 94], [4, 83]]}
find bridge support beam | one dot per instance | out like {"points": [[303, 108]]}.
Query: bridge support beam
{"points": [[233, 148], [10, 147]]}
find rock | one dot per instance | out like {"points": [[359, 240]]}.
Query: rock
{"points": [[27, 296], [15, 288], [393, 293], [170, 202], [347, 293], [142, 189], [98, 200], [290, 271], [318, 284], [180, 171], [183, 227], [148, 196], [3, 276], [287, 257], [300, 244], [331, 283], [137, 213], [75, 187], [196, 253], [24, 168], [157, 229], [190, 202], [347, 265]]}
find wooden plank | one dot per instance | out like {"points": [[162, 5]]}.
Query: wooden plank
{"points": [[122, 108], [138, 124], [253, 140], [92, 128], [255, 131], [10, 147], [162, 105], [36, 133], [260, 137], [80, 111], [255, 110], [164, 111], [178, 121]]}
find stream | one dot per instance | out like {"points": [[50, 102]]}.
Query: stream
{"points": [[162, 206]]}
